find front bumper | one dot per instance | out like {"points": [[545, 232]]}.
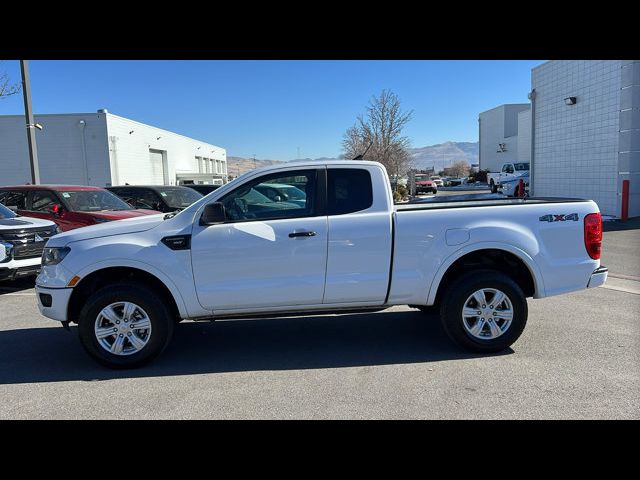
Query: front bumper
{"points": [[19, 268], [58, 302], [598, 277]]}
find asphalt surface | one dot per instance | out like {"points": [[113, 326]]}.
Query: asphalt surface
{"points": [[578, 358]]}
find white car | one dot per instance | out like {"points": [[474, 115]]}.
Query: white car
{"points": [[236, 254], [511, 187], [508, 171], [437, 180], [22, 240]]}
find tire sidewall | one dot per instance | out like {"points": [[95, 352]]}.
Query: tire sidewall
{"points": [[459, 292], [149, 301]]}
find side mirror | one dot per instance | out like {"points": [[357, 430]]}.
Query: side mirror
{"points": [[13, 208], [277, 198], [213, 213]]}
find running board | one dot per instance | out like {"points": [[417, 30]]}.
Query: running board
{"points": [[289, 313]]}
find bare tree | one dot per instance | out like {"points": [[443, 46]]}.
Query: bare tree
{"points": [[460, 168], [381, 132], [6, 86]]}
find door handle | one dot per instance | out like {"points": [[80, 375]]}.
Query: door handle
{"points": [[302, 234]]}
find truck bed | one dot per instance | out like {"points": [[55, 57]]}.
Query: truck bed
{"points": [[442, 202]]}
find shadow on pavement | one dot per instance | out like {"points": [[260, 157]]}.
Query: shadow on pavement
{"points": [[53, 355], [12, 286]]}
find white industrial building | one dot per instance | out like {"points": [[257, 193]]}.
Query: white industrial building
{"points": [[586, 128], [584, 117], [103, 149], [503, 132]]}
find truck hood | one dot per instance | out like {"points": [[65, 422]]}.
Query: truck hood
{"points": [[121, 214], [20, 223], [119, 227]]}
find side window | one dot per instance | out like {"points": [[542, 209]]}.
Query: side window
{"points": [[273, 196], [508, 168], [14, 199], [348, 190], [42, 201], [505, 168], [147, 199]]}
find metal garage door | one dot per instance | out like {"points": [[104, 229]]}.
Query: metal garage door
{"points": [[157, 167]]}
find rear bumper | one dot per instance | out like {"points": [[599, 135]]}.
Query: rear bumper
{"points": [[598, 277]]}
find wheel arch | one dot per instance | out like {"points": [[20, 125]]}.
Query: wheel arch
{"points": [[511, 260], [101, 276]]}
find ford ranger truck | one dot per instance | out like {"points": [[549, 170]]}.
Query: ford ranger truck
{"points": [[237, 253], [21, 242]]}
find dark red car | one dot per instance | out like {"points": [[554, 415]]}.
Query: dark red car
{"points": [[69, 206]]}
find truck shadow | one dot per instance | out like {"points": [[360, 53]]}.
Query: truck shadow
{"points": [[334, 341], [17, 285]]}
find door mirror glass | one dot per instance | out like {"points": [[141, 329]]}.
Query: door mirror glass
{"points": [[213, 213]]}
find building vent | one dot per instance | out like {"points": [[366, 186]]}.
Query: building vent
{"points": [[103, 110]]}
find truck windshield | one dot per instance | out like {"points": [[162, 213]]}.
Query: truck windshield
{"points": [[93, 201], [421, 178], [179, 197], [6, 213], [521, 166]]}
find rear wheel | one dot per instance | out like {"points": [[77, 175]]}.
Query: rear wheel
{"points": [[484, 311], [125, 325]]}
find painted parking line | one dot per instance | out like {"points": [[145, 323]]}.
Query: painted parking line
{"points": [[622, 284]]}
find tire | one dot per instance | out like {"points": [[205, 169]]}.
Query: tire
{"points": [[458, 294], [151, 310], [494, 189]]}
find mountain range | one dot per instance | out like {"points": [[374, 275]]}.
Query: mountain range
{"points": [[438, 156]]}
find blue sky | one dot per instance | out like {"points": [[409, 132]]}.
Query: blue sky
{"points": [[272, 108]]}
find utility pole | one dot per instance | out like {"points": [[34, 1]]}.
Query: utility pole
{"points": [[31, 133], [254, 160]]}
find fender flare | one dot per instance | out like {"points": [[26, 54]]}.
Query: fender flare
{"points": [[518, 252], [145, 267]]}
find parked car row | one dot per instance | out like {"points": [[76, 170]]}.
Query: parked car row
{"points": [[31, 214]]}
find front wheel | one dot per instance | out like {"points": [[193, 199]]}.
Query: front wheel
{"points": [[484, 311], [125, 325], [493, 187]]}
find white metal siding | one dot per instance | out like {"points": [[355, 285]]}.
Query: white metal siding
{"points": [[524, 136], [134, 140], [576, 146], [61, 153], [499, 125]]}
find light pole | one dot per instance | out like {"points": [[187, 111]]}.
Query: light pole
{"points": [[31, 133]]}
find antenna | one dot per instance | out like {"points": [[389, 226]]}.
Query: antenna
{"points": [[359, 157]]}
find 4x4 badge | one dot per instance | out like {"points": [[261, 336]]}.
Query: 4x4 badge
{"points": [[559, 218]]}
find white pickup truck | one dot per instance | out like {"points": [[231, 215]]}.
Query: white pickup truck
{"points": [[508, 172], [237, 253]]}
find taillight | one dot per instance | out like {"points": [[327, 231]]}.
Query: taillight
{"points": [[593, 234]]}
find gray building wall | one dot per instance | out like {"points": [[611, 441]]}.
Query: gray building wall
{"points": [[578, 148], [499, 126], [103, 149], [524, 136], [629, 137], [69, 152]]}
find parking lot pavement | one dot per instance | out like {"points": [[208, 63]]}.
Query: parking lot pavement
{"points": [[579, 357]]}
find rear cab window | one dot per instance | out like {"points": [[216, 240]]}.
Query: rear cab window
{"points": [[13, 198], [349, 190]]}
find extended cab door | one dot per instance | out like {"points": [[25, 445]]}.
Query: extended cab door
{"points": [[360, 235], [268, 253]]}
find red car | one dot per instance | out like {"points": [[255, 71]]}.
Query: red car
{"points": [[69, 206], [425, 184]]}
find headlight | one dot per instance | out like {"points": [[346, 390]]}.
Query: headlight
{"points": [[53, 255], [100, 220]]}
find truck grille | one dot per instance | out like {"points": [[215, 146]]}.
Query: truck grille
{"points": [[27, 243]]}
